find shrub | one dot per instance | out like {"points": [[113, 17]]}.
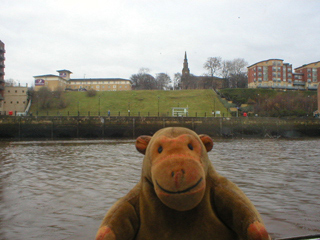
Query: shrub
{"points": [[91, 93]]}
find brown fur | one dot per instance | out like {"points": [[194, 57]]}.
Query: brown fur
{"points": [[181, 196]]}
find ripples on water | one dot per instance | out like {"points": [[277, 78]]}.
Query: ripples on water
{"points": [[62, 189]]}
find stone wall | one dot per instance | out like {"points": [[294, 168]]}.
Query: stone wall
{"points": [[130, 127]]}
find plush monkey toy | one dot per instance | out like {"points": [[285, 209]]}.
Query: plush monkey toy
{"points": [[181, 196]]}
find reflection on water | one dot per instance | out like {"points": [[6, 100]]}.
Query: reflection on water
{"points": [[62, 189]]}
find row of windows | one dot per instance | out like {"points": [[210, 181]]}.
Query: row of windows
{"points": [[314, 75], [314, 80], [274, 69], [312, 69], [16, 91], [98, 86], [11, 102], [273, 79], [94, 83]]}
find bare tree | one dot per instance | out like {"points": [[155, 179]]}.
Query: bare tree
{"points": [[226, 68], [10, 82], [177, 81], [163, 80], [239, 66], [143, 80], [44, 97], [234, 71], [144, 70], [213, 65], [239, 80]]}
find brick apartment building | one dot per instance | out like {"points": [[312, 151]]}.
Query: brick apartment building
{"points": [[63, 81], [275, 74], [309, 75]]}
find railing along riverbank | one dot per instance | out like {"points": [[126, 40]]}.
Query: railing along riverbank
{"points": [[63, 127]]}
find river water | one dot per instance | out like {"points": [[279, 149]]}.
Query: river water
{"points": [[62, 189]]}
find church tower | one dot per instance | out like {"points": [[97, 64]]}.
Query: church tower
{"points": [[185, 70]]}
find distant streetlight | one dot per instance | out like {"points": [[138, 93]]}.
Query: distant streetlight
{"points": [[99, 105], [129, 109], [158, 105]]}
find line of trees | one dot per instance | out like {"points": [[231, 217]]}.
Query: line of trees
{"points": [[143, 80], [47, 99], [234, 71]]}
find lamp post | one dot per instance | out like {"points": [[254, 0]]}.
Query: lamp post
{"points": [[158, 105], [99, 105], [129, 109]]}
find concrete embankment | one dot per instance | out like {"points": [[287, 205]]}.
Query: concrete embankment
{"points": [[32, 127]]}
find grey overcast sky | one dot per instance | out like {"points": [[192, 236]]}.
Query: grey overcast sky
{"points": [[111, 38]]}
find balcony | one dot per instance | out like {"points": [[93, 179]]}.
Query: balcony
{"points": [[2, 50], [2, 65], [298, 83], [264, 86], [312, 87]]}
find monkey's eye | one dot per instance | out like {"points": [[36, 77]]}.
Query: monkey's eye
{"points": [[190, 146], [160, 149]]}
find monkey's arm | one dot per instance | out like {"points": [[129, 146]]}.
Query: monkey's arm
{"points": [[237, 212], [122, 220]]}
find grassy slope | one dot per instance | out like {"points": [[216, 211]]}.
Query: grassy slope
{"points": [[143, 101]]}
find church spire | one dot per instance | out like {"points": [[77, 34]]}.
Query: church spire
{"points": [[185, 70]]}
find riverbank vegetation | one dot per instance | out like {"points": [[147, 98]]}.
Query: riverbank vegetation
{"points": [[272, 103]]}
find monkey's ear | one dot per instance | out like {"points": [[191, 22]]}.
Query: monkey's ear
{"points": [[207, 141], [142, 143]]}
